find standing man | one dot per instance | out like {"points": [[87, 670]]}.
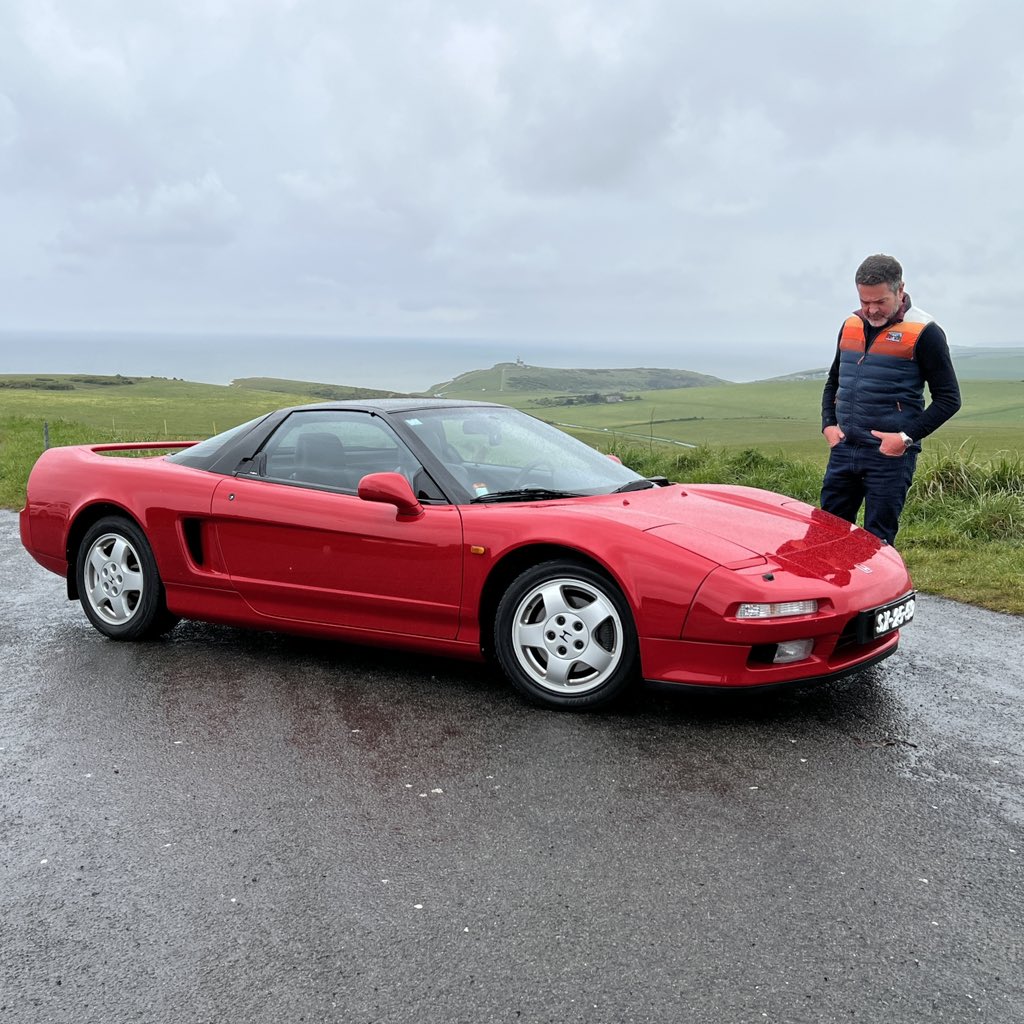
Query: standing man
{"points": [[872, 409]]}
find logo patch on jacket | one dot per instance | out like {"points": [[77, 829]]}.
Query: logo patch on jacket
{"points": [[894, 336]]}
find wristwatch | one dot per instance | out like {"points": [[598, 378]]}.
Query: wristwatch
{"points": [[906, 439]]}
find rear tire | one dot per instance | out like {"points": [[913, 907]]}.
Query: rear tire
{"points": [[564, 636], [118, 582]]}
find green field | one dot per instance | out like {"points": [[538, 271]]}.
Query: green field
{"points": [[143, 406], [963, 533], [769, 415]]}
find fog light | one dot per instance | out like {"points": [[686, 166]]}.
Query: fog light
{"points": [[776, 611], [792, 650]]}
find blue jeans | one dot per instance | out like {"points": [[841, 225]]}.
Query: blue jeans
{"points": [[858, 474]]}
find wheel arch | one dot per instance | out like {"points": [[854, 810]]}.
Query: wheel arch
{"points": [[510, 565], [84, 519]]}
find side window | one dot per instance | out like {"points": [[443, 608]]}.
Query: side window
{"points": [[333, 449]]}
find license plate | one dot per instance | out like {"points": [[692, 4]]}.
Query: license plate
{"points": [[880, 621]]}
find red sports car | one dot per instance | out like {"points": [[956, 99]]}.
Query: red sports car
{"points": [[466, 529]]}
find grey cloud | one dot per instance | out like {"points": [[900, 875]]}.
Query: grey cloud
{"points": [[582, 170], [198, 212]]}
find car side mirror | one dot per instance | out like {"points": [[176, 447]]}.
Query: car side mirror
{"points": [[391, 489]]}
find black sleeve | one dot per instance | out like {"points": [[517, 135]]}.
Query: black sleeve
{"points": [[932, 355], [828, 396]]}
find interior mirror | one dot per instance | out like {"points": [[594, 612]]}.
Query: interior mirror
{"points": [[485, 426]]}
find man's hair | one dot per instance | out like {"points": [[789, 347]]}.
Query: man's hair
{"points": [[880, 269]]}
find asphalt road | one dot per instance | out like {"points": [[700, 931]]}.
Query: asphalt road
{"points": [[232, 827]]}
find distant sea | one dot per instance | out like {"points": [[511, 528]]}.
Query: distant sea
{"points": [[403, 364], [395, 364]]}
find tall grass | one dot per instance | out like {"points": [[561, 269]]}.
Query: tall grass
{"points": [[708, 464], [957, 496]]}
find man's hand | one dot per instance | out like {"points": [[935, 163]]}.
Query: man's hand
{"points": [[834, 435], [892, 444]]}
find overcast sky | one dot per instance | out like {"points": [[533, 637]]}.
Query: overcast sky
{"points": [[646, 182]]}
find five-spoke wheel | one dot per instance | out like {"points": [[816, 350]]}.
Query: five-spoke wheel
{"points": [[564, 636], [118, 581]]}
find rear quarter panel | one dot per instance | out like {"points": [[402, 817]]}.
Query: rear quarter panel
{"points": [[69, 487]]}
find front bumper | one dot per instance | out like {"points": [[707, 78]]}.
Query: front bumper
{"points": [[698, 663]]}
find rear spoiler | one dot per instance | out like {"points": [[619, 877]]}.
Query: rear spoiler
{"points": [[127, 446]]}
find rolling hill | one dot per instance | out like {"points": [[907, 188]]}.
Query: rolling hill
{"points": [[314, 389], [521, 378], [971, 364]]}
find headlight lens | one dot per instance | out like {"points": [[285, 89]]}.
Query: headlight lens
{"points": [[777, 610]]}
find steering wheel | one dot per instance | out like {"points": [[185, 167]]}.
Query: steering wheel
{"points": [[529, 469]]}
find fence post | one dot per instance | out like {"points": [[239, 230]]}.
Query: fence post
{"points": [[46, 435]]}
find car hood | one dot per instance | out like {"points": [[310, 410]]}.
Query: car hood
{"points": [[738, 526]]}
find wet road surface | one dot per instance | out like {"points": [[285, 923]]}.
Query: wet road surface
{"points": [[231, 826]]}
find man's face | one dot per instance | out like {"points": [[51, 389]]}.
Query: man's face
{"points": [[878, 302]]}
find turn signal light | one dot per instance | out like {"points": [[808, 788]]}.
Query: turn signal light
{"points": [[776, 611]]}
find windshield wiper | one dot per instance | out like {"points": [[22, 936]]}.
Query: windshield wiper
{"points": [[524, 494], [635, 485]]}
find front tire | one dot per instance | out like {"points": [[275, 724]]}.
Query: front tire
{"points": [[118, 582], [564, 636]]}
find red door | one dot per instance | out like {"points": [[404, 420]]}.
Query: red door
{"points": [[324, 557]]}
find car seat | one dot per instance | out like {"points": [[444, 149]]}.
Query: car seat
{"points": [[320, 459]]}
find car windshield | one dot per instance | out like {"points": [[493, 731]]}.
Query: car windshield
{"points": [[496, 450]]}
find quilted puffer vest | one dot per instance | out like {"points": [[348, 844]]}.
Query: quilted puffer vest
{"points": [[880, 387]]}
